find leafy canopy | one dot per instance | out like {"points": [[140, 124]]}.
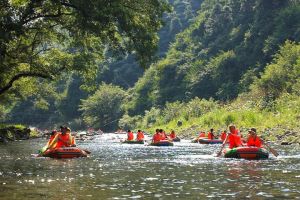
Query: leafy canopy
{"points": [[43, 38], [103, 108]]}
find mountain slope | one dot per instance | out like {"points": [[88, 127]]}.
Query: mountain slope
{"points": [[219, 54]]}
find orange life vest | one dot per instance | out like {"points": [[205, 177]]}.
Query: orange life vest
{"points": [[139, 136], [172, 135], [156, 138], [130, 136], [223, 136], [73, 141], [51, 139], [202, 134], [210, 136], [236, 132], [234, 141], [63, 140], [254, 141], [163, 136]]}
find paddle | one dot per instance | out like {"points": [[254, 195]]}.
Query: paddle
{"points": [[273, 151], [223, 145], [43, 149], [86, 151]]}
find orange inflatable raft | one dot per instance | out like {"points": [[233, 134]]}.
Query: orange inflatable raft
{"points": [[65, 152], [249, 153]]}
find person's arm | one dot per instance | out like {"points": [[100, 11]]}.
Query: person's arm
{"points": [[223, 145], [54, 141], [70, 140]]}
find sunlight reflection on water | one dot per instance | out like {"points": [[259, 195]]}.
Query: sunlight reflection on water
{"points": [[124, 171]]}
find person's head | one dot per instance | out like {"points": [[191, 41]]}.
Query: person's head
{"points": [[252, 131], [160, 130], [231, 127], [63, 129], [225, 131], [68, 130], [53, 132], [172, 131], [128, 131], [157, 130], [139, 130], [211, 130]]}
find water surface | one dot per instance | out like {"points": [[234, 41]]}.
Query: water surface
{"points": [[126, 171]]}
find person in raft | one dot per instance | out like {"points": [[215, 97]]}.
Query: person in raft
{"points": [[130, 135], [172, 135], [156, 137], [210, 134], [163, 134], [140, 136], [253, 139], [63, 139], [201, 134], [234, 137], [73, 143], [223, 135], [52, 136]]}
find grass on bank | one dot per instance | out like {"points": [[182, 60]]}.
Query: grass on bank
{"points": [[277, 121]]}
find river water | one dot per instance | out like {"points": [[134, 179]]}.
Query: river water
{"points": [[126, 171]]}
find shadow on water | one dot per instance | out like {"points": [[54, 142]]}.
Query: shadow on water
{"points": [[125, 171]]}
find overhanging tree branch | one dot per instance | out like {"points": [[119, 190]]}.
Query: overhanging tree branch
{"points": [[21, 75]]}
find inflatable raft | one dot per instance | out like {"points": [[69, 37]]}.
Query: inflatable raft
{"points": [[208, 141], [163, 143], [250, 153], [133, 142], [196, 140], [177, 139], [65, 152]]}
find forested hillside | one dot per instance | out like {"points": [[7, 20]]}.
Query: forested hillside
{"points": [[59, 101], [237, 63], [213, 56], [220, 54]]}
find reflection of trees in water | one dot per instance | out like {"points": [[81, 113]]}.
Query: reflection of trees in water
{"points": [[248, 176]]}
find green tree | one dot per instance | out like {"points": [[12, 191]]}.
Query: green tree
{"points": [[283, 74], [43, 38], [228, 44], [103, 109]]}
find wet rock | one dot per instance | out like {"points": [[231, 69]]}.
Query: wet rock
{"points": [[286, 143], [12, 133], [179, 123]]}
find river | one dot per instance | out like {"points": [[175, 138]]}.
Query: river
{"points": [[126, 171]]}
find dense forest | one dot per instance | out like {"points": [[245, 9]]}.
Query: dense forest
{"points": [[58, 102], [217, 62]]}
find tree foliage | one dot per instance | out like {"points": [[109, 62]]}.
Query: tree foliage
{"points": [[44, 38], [220, 53], [282, 75], [104, 108]]}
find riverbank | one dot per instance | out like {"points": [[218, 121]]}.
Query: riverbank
{"points": [[16, 132], [277, 122]]}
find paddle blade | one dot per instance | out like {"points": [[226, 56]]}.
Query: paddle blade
{"points": [[219, 153], [273, 152], [42, 150], [86, 151]]}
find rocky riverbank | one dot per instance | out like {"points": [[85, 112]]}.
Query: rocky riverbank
{"points": [[12, 133]]}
